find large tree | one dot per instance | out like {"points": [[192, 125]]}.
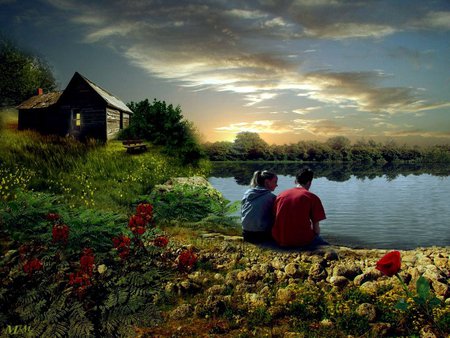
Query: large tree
{"points": [[21, 74], [250, 146], [164, 125]]}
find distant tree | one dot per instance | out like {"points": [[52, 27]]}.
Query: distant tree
{"points": [[164, 125], [219, 151], [250, 146], [340, 146], [21, 74], [338, 143]]}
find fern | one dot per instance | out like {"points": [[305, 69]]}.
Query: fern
{"points": [[80, 328]]}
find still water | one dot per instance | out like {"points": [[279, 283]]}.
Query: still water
{"points": [[391, 207]]}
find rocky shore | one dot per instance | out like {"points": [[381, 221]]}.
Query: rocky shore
{"points": [[241, 289]]}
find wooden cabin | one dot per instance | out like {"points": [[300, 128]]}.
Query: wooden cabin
{"points": [[83, 110]]}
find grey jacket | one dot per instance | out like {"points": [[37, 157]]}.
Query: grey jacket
{"points": [[256, 209]]}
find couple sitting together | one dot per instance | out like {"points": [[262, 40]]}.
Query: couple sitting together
{"points": [[291, 219]]}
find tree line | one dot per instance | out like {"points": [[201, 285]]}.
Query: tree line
{"points": [[249, 146]]}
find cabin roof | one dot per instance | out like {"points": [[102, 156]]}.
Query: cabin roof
{"points": [[40, 101], [110, 99]]}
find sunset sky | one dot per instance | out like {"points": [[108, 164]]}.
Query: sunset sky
{"points": [[288, 70]]}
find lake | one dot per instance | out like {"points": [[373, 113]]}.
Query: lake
{"points": [[390, 207]]}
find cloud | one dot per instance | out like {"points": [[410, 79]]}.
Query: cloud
{"points": [[305, 111], [435, 20], [359, 89], [263, 126], [242, 47], [323, 127], [347, 30], [417, 133], [418, 58]]}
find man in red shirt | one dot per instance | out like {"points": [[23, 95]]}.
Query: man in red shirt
{"points": [[298, 213]]}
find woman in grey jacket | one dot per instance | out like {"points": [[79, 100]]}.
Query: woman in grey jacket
{"points": [[256, 207]]}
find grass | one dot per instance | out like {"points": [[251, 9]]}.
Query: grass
{"points": [[84, 174]]}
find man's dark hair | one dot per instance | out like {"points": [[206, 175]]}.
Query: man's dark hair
{"points": [[304, 176]]}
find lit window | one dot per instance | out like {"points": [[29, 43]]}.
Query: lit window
{"points": [[78, 120]]}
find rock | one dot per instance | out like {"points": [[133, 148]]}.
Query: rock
{"points": [[265, 291], [196, 277], [290, 269], [368, 311], [370, 274], [339, 281], [370, 288], [250, 276], [441, 262], [233, 238], [218, 277], [432, 273], [427, 332], [212, 235], [294, 335], [441, 289], [317, 272], [380, 329], [331, 255], [280, 275], [277, 264], [349, 270], [215, 290], [423, 260], [181, 312], [285, 295], [254, 300]]}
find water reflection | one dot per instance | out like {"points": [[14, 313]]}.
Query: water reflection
{"points": [[337, 172]]}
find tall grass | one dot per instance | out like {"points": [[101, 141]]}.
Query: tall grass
{"points": [[88, 174]]}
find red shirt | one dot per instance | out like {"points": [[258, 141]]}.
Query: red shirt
{"points": [[296, 210]]}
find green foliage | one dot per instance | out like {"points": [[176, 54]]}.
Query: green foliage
{"points": [[24, 220], [117, 297], [249, 147], [259, 317], [21, 74], [198, 204], [87, 174], [443, 322], [356, 295], [353, 324], [163, 124]]}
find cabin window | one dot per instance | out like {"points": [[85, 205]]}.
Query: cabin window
{"points": [[78, 120]]}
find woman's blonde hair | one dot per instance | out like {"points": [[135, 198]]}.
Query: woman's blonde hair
{"points": [[260, 176]]}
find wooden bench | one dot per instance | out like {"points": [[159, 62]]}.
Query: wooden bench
{"points": [[134, 146]]}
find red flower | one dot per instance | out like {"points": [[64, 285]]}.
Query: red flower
{"points": [[137, 224], [121, 241], [60, 233], [124, 253], [145, 210], [87, 261], [390, 263], [80, 281], [32, 265], [186, 260], [122, 244], [53, 216], [161, 241]]}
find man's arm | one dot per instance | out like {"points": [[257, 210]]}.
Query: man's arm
{"points": [[316, 228]]}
